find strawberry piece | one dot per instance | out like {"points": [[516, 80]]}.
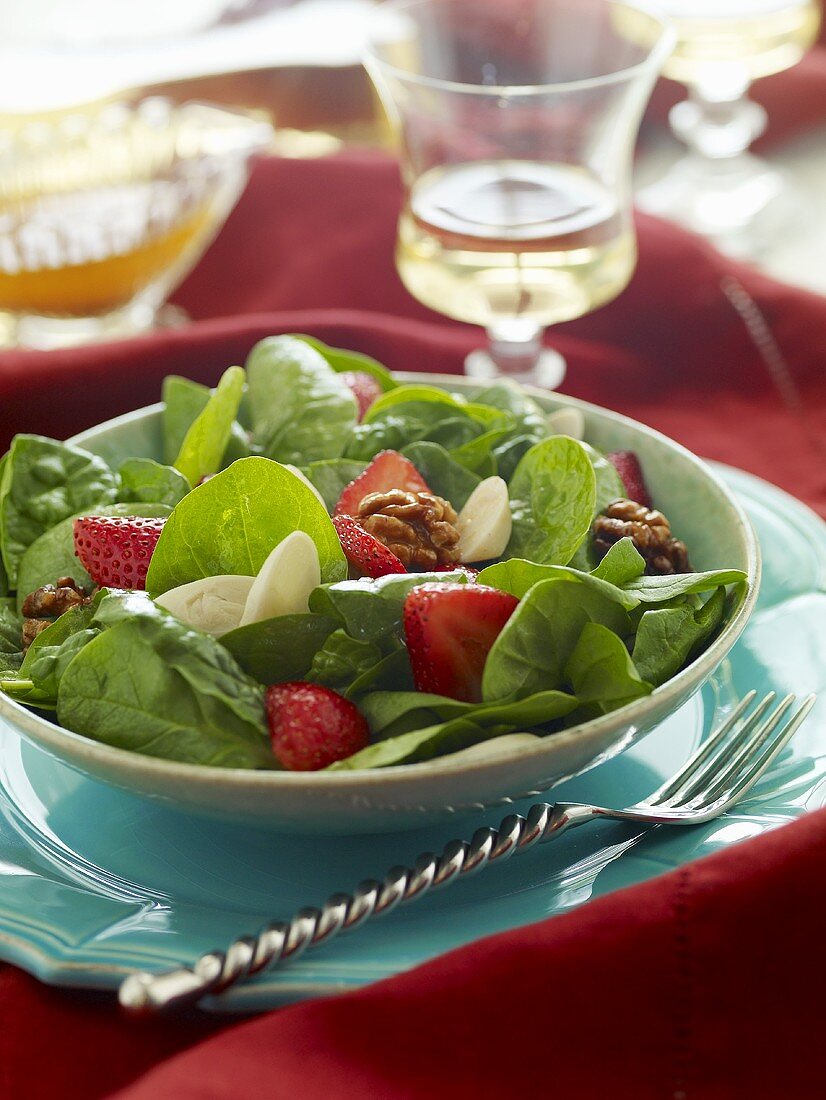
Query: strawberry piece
{"points": [[312, 726], [366, 553], [388, 470], [628, 467], [365, 389], [115, 550], [450, 629]]}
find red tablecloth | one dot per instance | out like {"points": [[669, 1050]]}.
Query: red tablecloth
{"points": [[706, 983]]}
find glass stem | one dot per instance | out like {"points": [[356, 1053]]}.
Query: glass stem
{"points": [[515, 346], [718, 121]]}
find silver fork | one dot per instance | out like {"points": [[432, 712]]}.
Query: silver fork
{"points": [[723, 769]]}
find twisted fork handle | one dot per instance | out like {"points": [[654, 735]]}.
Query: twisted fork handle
{"points": [[144, 993]]}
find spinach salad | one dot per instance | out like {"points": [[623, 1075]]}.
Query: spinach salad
{"points": [[299, 582]]}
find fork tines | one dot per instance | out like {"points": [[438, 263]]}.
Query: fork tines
{"points": [[734, 757]]}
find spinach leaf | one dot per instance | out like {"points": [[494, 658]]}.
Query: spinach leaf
{"points": [[668, 636], [601, 672], [146, 481], [510, 452], [207, 437], [342, 661], [184, 400], [528, 415], [371, 610], [416, 393], [609, 485], [69, 623], [518, 577], [47, 670], [342, 361], [407, 423], [414, 412], [123, 689], [390, 713], [420, 744], [658, 589], [477, 454], [43, 482], [552, 501], [391, 672], [53, 554], [445, 476], [535, 644], [232, 522], [199, 658], [5, 587], [281, 649], [623, 563], [11, 640], [530, 424], [477, 723], [302, 411], [331, 476], [49, 654]]}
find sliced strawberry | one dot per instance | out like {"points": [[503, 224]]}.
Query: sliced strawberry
{"points": [[115, 550], [388, 470], [366, 553], [450, 629], [628, 467], [312, 726], [365, 389]]}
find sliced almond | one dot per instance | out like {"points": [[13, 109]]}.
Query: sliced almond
{"points": [[213, 604], [303, 477], [285, 580], [567, 421], [484, 524]]}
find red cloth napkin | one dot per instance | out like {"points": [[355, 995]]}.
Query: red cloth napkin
{"points": [[704, 984], [707, 983]]}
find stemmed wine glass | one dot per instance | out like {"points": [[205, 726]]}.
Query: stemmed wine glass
{"points": [[719, 188], [517, 121]]}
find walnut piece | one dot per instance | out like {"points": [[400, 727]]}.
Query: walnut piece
{"points": [[31, 628], [650, 532], [419, 528], [52, 600], [44, 605]]}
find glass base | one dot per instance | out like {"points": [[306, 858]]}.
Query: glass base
{"points": [[49, 333], [547, 371], [742, 204]]}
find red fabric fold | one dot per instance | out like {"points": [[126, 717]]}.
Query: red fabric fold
{"points": [[704, 984]]}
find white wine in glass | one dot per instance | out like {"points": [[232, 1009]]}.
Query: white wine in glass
{"points": [[498, 243], [719, 189], [517, 121], [761, 37]]}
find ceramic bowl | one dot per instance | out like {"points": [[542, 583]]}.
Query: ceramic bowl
{"points": [[701, 510]]}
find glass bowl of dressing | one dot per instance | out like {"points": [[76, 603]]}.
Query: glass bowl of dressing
{"points": [[105, 209]]}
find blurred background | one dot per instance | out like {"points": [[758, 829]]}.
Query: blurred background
{"points": [[126, 134]]}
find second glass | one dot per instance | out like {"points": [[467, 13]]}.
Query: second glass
{"points": [[517, 121]]}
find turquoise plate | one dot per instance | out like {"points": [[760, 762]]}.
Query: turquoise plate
{"points": [[95, 882]]}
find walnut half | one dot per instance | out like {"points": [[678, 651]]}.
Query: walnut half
{"points": [[650, 532], [419, 528], [44, 605]]}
